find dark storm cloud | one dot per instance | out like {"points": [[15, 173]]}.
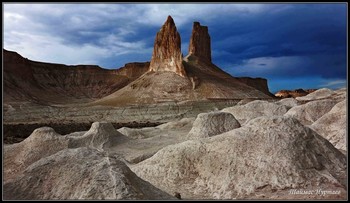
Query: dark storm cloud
{"points": [[315, 34]]}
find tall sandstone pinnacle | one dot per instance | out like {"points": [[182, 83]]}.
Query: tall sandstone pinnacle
{"points": [[200, 42], [167, 54]]}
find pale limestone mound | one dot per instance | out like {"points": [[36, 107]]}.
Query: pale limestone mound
{"points": [[317, 95], [45, 141], [136, 133], [81, 173], [288, 102], [174, 127], [41, 143], [341, 90], [311, 111], [254, 109], [269, 155], [132, 132], [101, 135], [244, 102], [211, 124], [332, 126], [145, 142], [340, 94]]}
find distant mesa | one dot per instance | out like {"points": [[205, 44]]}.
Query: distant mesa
{"points": [[26, 80], [133, 70], [293, 93]]}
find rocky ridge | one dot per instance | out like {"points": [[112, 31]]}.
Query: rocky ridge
{"points": [[48, 83]]}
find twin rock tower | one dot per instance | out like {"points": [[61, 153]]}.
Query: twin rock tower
{"points": [[167, 54], [172, 77]]}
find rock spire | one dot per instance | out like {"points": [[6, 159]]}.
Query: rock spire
{"points": [[200, 42], [167, 54]]}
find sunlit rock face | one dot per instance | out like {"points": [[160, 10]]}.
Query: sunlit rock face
{"points": [[167, 54]]}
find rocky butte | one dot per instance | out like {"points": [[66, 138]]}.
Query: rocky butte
{"points": [[192, 78]]}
